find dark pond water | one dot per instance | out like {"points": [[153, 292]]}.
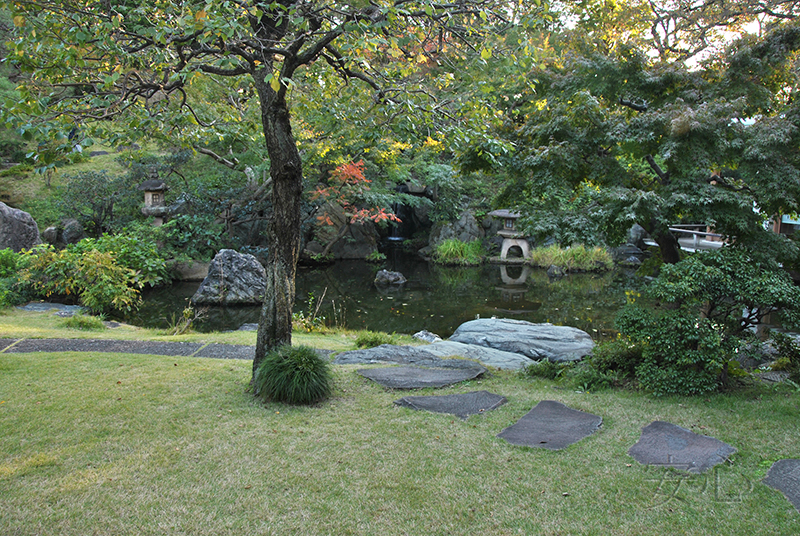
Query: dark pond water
{"points": [[435, 298]]}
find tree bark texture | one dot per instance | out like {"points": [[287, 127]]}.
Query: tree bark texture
{"points": [[669, 247], [286, 172]]}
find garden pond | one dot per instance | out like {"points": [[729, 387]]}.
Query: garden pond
{"points": [[435, 298]]}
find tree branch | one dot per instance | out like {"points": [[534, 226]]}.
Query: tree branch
{"points": [[664, 176], [222, 160]]}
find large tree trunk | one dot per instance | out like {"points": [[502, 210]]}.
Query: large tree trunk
{"points": [[669, 247], [667, 243], [275, 323]]}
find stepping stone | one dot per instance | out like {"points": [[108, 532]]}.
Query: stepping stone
{"points": [[667, 445], [784, 476], [462, 405], [551, 425], [420, 377]]}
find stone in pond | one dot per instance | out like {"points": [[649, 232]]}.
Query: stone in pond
{"points": [[784, 476], [535, 341], [668, 445], [385, 277], [551, 425], [233, 279], [461, 405]]}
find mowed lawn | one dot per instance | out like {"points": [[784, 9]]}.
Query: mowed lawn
{"points": [[132, 444]]}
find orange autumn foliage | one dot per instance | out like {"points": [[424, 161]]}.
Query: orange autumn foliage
{"points": [[347, 182]]}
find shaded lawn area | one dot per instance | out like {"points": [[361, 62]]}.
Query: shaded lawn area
{"points": [[136, 444]]}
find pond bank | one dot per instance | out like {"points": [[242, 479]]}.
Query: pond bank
{"points": [[435, 298]]}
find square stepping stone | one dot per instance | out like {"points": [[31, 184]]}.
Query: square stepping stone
{"points": [[551, 425], [668, 445], [462, 405], [784, 476]]}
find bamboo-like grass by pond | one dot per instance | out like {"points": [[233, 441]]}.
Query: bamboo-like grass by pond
{"points": [[98, 443]]}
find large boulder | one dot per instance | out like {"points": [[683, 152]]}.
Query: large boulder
{"points": [[233, 279], [18, 231], [70, 231], [466, 229], [438, 354], [488, 356], [385, 277], [535, 341]]}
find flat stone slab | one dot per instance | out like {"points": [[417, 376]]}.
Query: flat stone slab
{"points": [[551, 425], [43, 307], [488, 356], [784, 476], [420, 377], [535, 341], [668, 445], [401, 355], [461, 405], [431, 356]]}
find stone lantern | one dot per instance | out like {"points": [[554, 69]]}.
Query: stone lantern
{"points": [[154, 190], [511, 237]]}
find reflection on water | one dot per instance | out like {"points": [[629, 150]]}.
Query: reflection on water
{"points": [[435, 298]]}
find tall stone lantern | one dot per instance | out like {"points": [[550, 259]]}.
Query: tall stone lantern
{"points": [[511, 237], [154, 190]]}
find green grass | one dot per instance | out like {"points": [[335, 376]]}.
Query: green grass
{"points": [[456, 252], [19, 324], [134, 444], [84, 322], [131, 444], [574, 258]]}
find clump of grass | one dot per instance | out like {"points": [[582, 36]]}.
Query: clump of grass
{"points": [[371, 339], [295, 375], [179, 325], [546, 369], [572, 259], [454, 251], [84, 323]]}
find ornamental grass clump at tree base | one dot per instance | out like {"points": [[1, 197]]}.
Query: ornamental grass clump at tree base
{"points": [[294, 375]]}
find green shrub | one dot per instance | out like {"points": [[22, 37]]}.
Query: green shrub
{"points": [[197, 237], [546, 369], [620, 355], [681, 354], [8, 262], [572, 259], [133, 250], [586, 377], [789, 352], [99, 201], [295, 375], [454, 251], [376, 257], [84, 323], [371, 339], [92, 278], [19, 169], [710, 299]]}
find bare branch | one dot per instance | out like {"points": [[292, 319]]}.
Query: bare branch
{"points": [[221, 159]]}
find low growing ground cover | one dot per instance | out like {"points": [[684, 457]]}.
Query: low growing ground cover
{"points": [[136, 444]]}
